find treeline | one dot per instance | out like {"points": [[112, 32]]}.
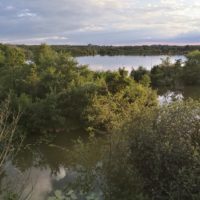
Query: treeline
{"points": [[91, 50], [169, 74]]}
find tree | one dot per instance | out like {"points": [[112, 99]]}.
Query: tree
{"points": [[116, 81], [13, 61], [45, 56], [108, 112], [167, 74], [139, 73]]}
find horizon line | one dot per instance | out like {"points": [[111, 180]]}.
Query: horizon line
{"points": [[106, 45]]}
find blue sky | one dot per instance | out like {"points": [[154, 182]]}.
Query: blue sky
{"points": [[104, 22]]}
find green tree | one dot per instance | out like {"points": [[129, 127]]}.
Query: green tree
{"points": [[139, 73], [116, 81], [45, 56], [109, 112]]}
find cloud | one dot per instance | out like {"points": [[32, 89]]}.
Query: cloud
{"points": [[35, 40], [98, 21], [26, 13], [9, 7]]}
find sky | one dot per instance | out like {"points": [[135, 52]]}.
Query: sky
{"points": [[102, 22]]}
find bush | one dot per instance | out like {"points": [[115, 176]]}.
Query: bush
{"points": [[154, 156], [165, 150]]}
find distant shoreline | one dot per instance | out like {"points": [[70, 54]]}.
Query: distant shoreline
{"points": [[93, 50], [144, 50]]}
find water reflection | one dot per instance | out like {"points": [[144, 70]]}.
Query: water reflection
{"points": [[36, 181], [40, 169], [168, 95], [129, 62]]}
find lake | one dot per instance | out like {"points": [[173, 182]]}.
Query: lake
{"points": [[129, 62], [43, 168], [104, 63]]}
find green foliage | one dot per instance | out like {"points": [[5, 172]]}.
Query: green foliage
{"points": [[167, 74], [14, 57], [11, 64], [155, 155], [44, 116], [11, 196], [177, 74], [106, 113], [165, 150], [53, 90], [147, 152], [117, 81], [145, 80], [139, 73], [2, 57], [192, 69], [45, 56]]}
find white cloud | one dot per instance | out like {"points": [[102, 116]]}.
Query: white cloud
{"points": [[36, 40], [9, 7], [26, 13]]}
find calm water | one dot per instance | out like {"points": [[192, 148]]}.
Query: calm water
{"points": [[43, 168], [166, 95], [129, 62]]}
